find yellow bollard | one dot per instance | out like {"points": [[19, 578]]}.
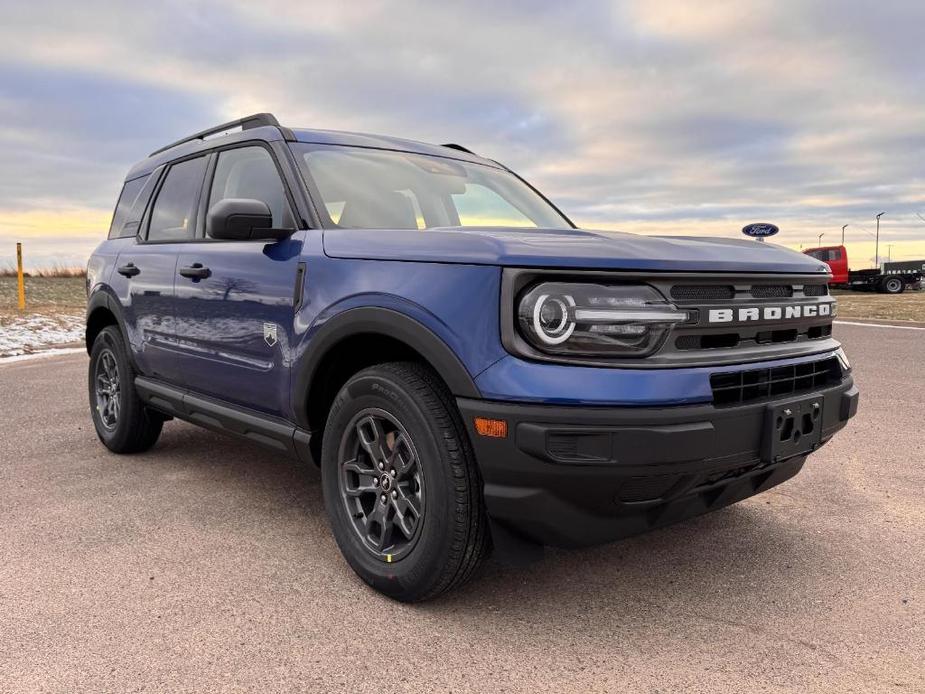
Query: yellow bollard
{"points": [[22, 285]]}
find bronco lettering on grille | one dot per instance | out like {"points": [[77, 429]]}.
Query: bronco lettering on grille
{"points": [[768, 313]]}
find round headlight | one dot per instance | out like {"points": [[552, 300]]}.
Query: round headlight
{"points": [[551, 319], [586, 319]]}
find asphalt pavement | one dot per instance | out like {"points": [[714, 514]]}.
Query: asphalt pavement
{"points": [[207, 565]]}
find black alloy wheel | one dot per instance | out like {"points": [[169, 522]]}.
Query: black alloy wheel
{"points": [[382, 483], [108, 390]]}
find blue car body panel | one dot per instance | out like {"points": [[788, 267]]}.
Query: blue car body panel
{"points": [[148, 305], [448, 300], [570, 248], [235, 328]]}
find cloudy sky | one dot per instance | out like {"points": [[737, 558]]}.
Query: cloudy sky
{"points": [[647, 116]]}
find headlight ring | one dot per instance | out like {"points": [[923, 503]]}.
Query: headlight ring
{"points": [[566, 325]]}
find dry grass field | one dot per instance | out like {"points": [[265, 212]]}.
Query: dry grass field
{"points": [[908, 306], [57, 271]]}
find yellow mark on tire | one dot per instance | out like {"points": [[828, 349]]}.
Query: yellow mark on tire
{"points": [[388, 558]]}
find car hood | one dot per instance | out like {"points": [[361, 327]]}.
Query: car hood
{"points": [[572, 248]]}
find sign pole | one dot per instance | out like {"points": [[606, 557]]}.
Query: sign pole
{"points": [[22, 285]]}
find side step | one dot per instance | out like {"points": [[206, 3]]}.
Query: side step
{"points": [[270, 432]]}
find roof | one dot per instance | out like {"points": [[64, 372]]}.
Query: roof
{"points": [[265, 127], [351, 139]]}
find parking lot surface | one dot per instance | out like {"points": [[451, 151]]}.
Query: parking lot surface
{"points": [[207, 565]]}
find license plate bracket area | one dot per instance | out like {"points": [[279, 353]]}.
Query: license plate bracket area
{"points": [[792, 428]]}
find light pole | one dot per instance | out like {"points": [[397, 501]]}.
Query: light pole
{"points": [[877, 242], [843, 234], [819, 240]]}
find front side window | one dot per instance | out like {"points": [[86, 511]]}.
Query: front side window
{"points": [[249, 172], [174, 213], [363, 188]]}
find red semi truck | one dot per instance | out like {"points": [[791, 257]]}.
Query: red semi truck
{"points": [[890, 278]]}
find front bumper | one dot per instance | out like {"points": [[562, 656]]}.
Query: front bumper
{"points": [[575, 476]]}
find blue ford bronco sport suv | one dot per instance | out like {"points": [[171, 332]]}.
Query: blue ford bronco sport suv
{"points": [[467, 368]]}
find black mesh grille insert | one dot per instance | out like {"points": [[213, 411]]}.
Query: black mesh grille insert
{"points": [[702, 291], [766, 337], [711, 341], [765, 384], [816, 290], [817, 331], [771, 291]]}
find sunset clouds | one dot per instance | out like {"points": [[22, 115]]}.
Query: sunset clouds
{"points": [[658, 117]]}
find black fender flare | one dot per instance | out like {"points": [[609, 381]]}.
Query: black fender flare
{"points": [[101, 298], [390, 323]]}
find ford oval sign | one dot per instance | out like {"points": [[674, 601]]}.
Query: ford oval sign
{"points": [[759, 231]]}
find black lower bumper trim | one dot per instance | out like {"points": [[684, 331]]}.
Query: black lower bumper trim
{"points": [[573, 476]]}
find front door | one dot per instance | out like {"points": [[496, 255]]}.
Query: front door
{"points": [[235, 299]]}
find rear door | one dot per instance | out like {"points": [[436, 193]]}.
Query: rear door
{"points": [[147, 268], [234, 323]]}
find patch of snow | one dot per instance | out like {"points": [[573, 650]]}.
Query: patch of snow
{"points": [[29, 333], [53, 352]]}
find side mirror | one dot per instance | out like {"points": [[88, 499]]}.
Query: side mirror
{"points": [[241, 219]]}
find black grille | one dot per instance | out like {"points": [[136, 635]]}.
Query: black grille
{"points": [[771, 291], [818, 331], [816, 290], [767, 337], [765, 384], [711, 341], [702, 291]]}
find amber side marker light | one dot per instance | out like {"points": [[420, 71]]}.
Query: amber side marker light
{"points": [[495, 428]]}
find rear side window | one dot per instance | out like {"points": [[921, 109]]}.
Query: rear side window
{"points": [[249, 172], [173, 217], [124, 207]]}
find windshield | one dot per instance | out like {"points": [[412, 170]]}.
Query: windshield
{"points": [[363, 188]]}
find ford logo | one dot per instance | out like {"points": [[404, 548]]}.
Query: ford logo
{"points": [[759, 230]]}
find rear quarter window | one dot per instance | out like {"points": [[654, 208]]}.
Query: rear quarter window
{"points": [[130, 191]]}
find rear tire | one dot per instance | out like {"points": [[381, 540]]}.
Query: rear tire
{"points": [[122, 422], [893, 285], [401, 486]]}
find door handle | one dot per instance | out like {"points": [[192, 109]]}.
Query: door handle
{"points": [[195, 271], [128, 270]]}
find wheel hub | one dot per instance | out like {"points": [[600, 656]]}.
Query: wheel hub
{"points": [[381, 483], [108, 395]]}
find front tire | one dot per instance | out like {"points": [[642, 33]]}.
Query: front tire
{"points": [[122, 422], [401, 486]]}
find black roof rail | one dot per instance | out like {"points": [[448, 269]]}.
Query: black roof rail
{"points": [[256, 120], [453, 145]]}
